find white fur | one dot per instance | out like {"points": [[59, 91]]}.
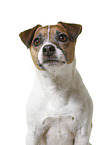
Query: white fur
{"points": [[48, 32], [59, 108]]}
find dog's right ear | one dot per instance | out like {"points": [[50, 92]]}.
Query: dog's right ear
{"points": [[27, 36]]}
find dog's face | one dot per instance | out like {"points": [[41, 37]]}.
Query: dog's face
{"points": [[51, 46]]}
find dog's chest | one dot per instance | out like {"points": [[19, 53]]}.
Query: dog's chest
{"points": [[60, 122], [60, 115], [59, 130]]}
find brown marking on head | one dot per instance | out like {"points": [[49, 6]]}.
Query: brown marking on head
{"points": [[70, 30], [27, 36], [43, 31], [35, 50], [73, 30]]}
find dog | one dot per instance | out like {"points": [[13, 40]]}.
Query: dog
{"points": [[59, 109]]}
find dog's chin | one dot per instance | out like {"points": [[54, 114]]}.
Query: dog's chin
{"points": [[52, 64]]}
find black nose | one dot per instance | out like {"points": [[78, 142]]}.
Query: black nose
{"points": [[48, 50]]}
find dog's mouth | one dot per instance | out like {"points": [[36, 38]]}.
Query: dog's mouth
{"points": [[52, 63]]}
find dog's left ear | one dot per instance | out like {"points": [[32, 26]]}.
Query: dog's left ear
{"points": [[28, 35], [73, 30]]}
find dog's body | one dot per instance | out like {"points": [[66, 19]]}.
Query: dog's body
{"points": [[59, 109]]}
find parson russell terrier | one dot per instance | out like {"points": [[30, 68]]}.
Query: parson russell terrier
{"points": [[59, 109]]}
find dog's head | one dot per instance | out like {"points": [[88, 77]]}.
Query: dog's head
{"points": [[51, 46]]}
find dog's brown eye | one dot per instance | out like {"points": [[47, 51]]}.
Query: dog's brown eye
{"points": [[37, 41], [63, 38]]}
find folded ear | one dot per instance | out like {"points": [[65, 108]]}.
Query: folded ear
{"points": [[27, 35], [72, 29]]}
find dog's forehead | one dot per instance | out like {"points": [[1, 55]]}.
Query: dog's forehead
{"points": [[41, 30], [51, 29], [54, 28]]}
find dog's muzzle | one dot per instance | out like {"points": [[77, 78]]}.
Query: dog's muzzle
{"points": [[48, 50], [51, 55]]}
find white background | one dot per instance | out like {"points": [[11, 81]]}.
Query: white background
{"points": [[16, 67]]}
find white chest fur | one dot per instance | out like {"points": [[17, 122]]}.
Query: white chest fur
{"points": [[58, 107]]}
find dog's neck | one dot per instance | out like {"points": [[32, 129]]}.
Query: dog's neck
{"points": [[62, 77]]}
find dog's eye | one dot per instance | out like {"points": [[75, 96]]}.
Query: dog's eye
{"points": [[63, 38], [37, 41]]}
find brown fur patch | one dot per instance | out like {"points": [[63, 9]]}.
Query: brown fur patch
{"points": [[69, 51], [72, 29], [27, 36], [54, 28], [42, 30], [34, 55], [35, 50]]}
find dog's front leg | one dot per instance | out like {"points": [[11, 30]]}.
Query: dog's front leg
{"points": [[34, 135], [81, 139], [31, 139]]}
